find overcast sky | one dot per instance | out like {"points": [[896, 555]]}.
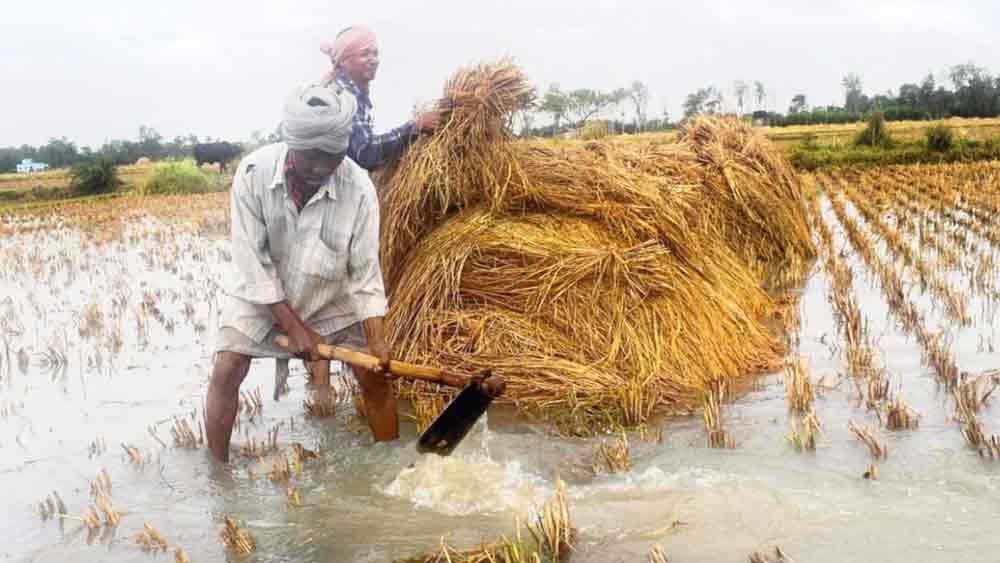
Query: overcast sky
{"points": [[99, 69]]}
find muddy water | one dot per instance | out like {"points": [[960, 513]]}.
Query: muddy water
{"points": [[935, 500]]}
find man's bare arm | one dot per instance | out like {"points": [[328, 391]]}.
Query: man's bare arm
{"points": [[302, 340], [377, 346]]}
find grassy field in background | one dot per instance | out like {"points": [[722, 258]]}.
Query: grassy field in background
{"points": [[786, 138], [975, 129], [19, 191], [53, 185]]}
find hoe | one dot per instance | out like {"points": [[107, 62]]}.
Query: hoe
{"points": [[455, 421]]}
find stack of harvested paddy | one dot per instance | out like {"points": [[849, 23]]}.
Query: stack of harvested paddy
{"points": [[752, 195], [600, 278]]}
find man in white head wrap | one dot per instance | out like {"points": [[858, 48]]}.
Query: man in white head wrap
{"points": [[305, 261]]}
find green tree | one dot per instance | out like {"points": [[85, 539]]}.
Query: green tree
{"points": [[875, 134], [853, 94], [939, 138], [556, 103], [97, 176], [58, 153], [926, 94], [585, 103], [150, 143], [909, 95], [704, 100], [975, 92]]}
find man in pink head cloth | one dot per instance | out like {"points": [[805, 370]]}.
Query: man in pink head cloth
{"points": [[354, 56]]}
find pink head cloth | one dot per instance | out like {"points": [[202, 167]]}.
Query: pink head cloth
{"points": [[350, 42]]}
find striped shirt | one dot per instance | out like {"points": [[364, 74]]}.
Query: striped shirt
{"points": [[369, 150], [322, 260]]}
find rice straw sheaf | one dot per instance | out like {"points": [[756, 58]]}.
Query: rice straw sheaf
{"points": [[468, 159], [753, 195], [598, 277]]}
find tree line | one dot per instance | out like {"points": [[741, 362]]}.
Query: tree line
{"points": [[969, 91], [61, 152], [570, 109]]}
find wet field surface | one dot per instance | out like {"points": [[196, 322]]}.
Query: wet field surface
{"points": [[106, 347]]}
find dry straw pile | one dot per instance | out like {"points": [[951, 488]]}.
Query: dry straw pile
{"points": [[602, 279]]}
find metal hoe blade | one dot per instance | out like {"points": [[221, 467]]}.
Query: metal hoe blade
{"points": [[455, 421]]}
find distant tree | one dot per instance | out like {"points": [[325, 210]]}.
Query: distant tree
{"points": [[975, 92], [963, 74], [527, 120], [759, 93], [996, 101], [178, 148], [942, 102], [716, 103], [150, 143], [926, 94], [698, 102], [798, 104], [97, 176], [585, 103], [664, 121], [57, 153], [638, 93], [853, 94], [740, 90], [882, 101], [875, 134], [909, 95], [939, 138], [555, 103]]}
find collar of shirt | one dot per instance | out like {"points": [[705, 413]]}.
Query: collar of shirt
{"points": [[283, 178], [363, 99]]}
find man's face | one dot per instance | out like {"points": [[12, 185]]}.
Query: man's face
{"points": [[362, 66], [315, 166]]}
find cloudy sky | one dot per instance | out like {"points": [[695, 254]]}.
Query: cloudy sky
{"points": [[97, 70]]}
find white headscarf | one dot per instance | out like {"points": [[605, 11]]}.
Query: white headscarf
{"points": [[319, 118]]}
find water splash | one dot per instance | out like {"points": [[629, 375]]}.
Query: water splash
{"points": [[459, 485], [468, 481]]}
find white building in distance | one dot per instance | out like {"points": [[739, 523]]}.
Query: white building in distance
{"points": [[27, 165]]}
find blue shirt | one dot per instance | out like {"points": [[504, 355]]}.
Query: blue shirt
{"points": [[366, 148]]}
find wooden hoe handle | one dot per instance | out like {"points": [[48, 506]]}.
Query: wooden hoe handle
{"points": [[403, 369]]}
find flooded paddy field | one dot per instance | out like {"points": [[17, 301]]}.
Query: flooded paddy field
{"points": [[875, 444]]}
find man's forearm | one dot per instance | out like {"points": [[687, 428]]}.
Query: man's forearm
{"points": [[286, 318], [375, 330], [302, 339]]}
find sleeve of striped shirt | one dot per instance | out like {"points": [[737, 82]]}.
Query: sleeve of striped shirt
{"points": [[371, 151], [257, 279], [365, 277]]}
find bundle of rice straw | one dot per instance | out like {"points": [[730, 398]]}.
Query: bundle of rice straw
{"points": [[602, 279], [755, 197]]}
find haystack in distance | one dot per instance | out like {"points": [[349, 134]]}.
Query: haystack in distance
{"points": [[602, 279]]}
